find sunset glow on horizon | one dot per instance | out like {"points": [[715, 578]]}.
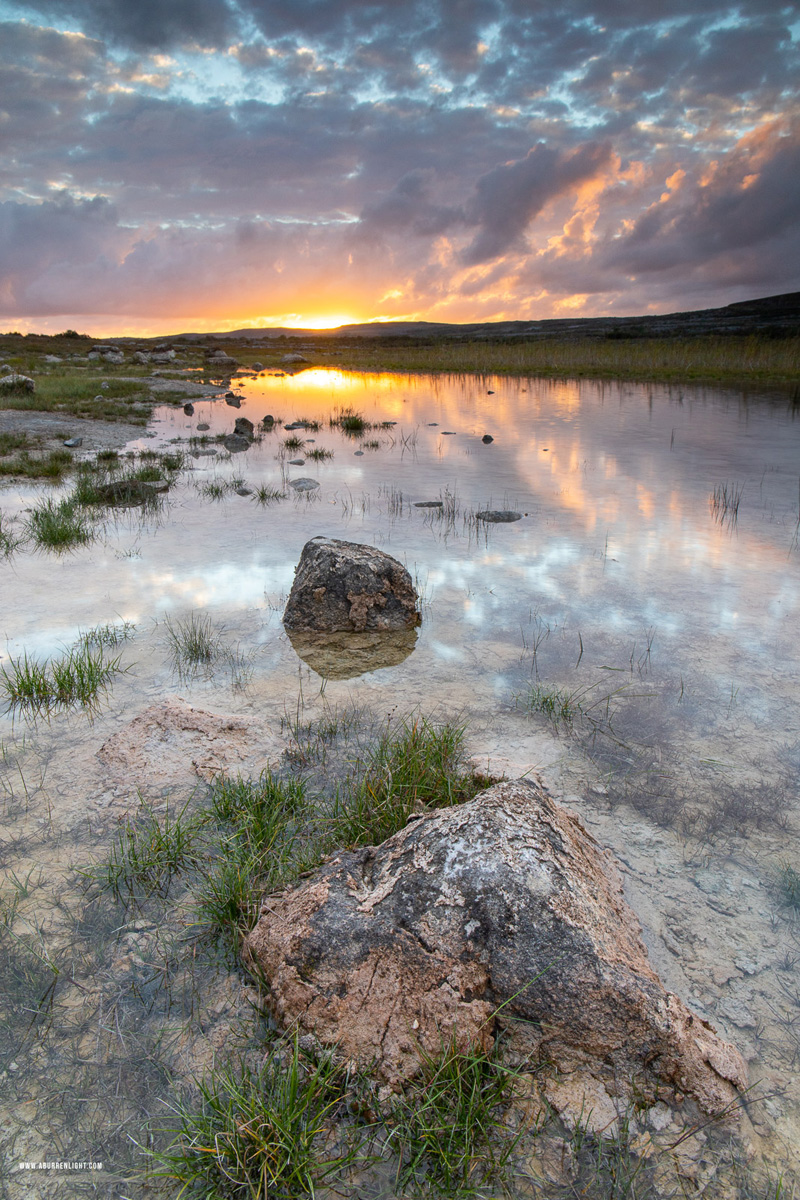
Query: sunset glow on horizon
{"points": [[207, 166]]}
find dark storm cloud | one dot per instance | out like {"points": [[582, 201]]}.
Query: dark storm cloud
{"points": [[145, 24]]}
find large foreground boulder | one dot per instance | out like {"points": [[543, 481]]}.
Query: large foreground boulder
{"points": [[503, 910], [344, 586]]}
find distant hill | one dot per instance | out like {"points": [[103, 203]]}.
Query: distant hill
{"points": [[777, 316]]}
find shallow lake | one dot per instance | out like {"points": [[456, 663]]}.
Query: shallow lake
{"points": [[632, 637]]}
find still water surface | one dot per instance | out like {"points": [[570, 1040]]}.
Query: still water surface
{"points": [[619, 547]]}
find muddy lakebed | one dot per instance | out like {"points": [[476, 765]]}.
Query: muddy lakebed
{"points": [[631, 639]]}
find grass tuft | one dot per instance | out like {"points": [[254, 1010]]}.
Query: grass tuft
{"points": [[193, 642], [264, 494], [9, 541], [349, 421], [260, 849], [263, 1135], [78, 679], [108, 635], [147, 853], [415, 767], [789, 886], [59, 525], [448, 1124]]}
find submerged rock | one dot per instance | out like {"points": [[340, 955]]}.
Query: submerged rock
{"points": [[501, 912], [347, 586], [127, 493], [304, 484], [172, 741], [234, 443], [346, 655], [498, 515]]}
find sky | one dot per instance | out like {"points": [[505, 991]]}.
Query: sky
{"points": [[172, 165]]}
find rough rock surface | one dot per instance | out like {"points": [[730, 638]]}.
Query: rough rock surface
{"points": [[17, 383], [244, 428], [171, 741], [504, 901], [341, 586]]}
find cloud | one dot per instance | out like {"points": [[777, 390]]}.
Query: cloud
{"points": [[508, 198], [746, 199], [459, 158], [146, 24]]}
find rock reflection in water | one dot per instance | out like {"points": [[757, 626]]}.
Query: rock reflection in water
{"points": [[346, 655]]}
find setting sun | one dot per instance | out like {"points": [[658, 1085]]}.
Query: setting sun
{"points": [[295, 321]]}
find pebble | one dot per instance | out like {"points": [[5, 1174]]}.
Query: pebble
{"points": [[747, 966], [487, 437], [73, 443]]}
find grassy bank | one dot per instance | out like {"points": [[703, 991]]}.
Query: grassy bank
{"points": [[79, 387], [729, 360]]}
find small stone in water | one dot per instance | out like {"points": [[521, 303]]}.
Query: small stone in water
{"points": [[487, 437], [498, 516], [427, 504], [203, 426], [73, 443]]}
